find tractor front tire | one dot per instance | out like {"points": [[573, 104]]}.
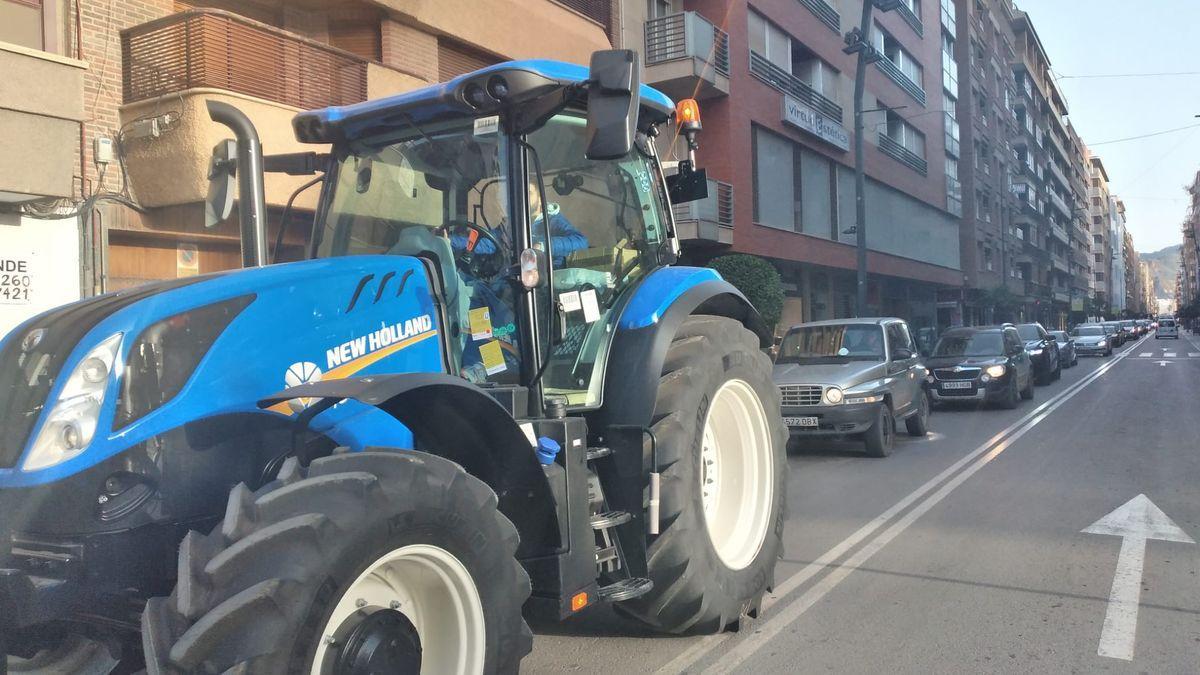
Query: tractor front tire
{"points": [[723, 463], [388, 561]]}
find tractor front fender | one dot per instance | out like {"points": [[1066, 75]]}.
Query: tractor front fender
{"points": [[646, 328], [453, 418]]}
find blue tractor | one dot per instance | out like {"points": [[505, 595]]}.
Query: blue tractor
{"points": [[488, 394]]}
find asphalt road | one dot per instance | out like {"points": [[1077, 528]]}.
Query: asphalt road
{"points": [[965, 551]]}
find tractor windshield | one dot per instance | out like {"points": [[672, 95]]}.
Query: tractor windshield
{"points": [[437, 191]]}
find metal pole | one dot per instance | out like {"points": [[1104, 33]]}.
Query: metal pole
{"points": [[252, 209], [860, 203]]}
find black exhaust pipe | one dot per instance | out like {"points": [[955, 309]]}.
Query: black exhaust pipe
{"points": [[252, 206]]}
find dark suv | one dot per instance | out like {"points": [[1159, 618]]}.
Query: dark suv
{"points": [[1043, 351], [984, 363]]}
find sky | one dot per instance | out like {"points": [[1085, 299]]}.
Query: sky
{"points": [[1139, 37]]}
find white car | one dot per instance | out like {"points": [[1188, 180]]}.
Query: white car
{"points": [[1167, 328]]}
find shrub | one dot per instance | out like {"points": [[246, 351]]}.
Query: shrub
{"points": [[757, 280]]}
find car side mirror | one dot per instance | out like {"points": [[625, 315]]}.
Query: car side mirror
{"points": [[901, 354]]}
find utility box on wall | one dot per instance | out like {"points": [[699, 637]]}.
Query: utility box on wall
{"points": [[39, 267]]}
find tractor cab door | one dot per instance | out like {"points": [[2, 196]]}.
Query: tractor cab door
{"points": [[603, 225]]}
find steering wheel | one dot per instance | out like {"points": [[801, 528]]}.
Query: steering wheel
{"points": [[466, 256]]}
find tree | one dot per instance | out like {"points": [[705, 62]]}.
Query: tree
{"points": [[757, 280]]}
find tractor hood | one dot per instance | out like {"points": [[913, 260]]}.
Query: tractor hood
{"points": [[153, 358]]}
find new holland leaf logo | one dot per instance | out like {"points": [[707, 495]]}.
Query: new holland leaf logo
{"points": [[298, 374]]}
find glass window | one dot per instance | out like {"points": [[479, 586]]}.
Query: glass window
{"points": [[834, 343], [973, 344], [898, 339], [775, 195]]}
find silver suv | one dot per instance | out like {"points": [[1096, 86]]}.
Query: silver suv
{"points": [[852, 377]]}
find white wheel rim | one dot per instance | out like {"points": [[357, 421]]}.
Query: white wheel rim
{"points": [[736, 474], [434, 590]]}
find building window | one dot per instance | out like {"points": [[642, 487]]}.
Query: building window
{"points": [[905, 134], [983, 207], [953, 187], [770, 42], [814, 72], [887, 45], [949, 65], [776, 182], [659, 8], [1095, 201], [23, 22]]}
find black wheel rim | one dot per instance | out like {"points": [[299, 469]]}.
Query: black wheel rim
{"points": [[384, 642]]}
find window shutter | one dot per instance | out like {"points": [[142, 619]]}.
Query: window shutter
{"points": [[455, 58]]}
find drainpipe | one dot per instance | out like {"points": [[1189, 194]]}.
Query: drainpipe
{"points": [[252, 208]]}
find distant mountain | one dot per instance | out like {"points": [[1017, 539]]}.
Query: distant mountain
{"points": [[1163, 264]]}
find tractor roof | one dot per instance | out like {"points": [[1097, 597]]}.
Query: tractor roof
{"points": [[525, 82]]}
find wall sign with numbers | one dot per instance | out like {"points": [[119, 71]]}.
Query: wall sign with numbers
{"points": [[15, 281]]}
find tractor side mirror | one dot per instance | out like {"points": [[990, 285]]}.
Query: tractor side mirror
{"points": [[222, 182], [612, 103]]}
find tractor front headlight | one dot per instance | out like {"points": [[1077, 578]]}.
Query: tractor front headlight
{"points": [[71, 423]]}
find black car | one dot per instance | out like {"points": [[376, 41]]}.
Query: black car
{"points": [[1043, 350], [1116, 333], [982, 364], [1066, 348]]}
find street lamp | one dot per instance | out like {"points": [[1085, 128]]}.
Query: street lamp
{"points": [[858, 42]]}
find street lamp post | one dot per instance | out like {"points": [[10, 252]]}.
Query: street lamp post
{"points": [[858, 42]]}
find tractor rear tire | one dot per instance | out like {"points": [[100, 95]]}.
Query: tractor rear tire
{"points": [[716, 411], [358, 550]]}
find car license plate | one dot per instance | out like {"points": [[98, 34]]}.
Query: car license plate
{"points": [[800, 421], [967, 384]]}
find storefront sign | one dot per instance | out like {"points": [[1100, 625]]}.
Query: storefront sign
{"points": [[803, 117], [39, 267]]}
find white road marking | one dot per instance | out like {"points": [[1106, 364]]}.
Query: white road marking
{"points": [[1145, 354], [1136, 521], [1169, 355], [792, 609], [1163, 363], [1193, 355]]}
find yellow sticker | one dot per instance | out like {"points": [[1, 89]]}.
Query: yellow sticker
{"points": [[493, 357], [480, 320]]}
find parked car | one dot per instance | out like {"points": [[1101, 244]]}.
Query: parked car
{"points": [[1116, 333], [1146, 325], [984, 364], [854, 378], [1167, 328], [1092, 338], [1131, 327], [1043, 350], [1066, 348]]}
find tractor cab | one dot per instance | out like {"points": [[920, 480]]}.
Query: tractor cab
{"points": [[534, 191]]}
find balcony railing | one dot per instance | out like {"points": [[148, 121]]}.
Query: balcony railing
{"points": [[911, 19], [892, 147], [710, 218], [896, 75], [686, 35], [789, 84], [1058, 203], [828, 15], [1053, 169], [212, 48]]}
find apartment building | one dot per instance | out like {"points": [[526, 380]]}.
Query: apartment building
{"points": [[776, 92], [105, 102], [1099, 213], [1187, 289], [1116, 212], [1082, 254]]}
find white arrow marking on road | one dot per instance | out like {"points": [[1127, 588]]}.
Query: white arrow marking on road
{"points": [[1135, 521], [1163, 363]]}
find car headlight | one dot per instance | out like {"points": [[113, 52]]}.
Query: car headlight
{"points": [[1102, 343], [870, 398], [71, 423], [833, 396], [1035, 352], [996, 371]]}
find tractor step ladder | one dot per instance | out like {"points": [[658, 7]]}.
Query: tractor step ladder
{"points": [[626, 589]]}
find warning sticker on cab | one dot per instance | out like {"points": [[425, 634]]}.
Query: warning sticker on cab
{"points": [[493, 357], [480, 320]]}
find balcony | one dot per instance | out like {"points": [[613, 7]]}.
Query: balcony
{"points": [[180, 61], [708, 220], [1058, 203], [687, 56], [793, 86], [1054, 170], [911, 19], [828, 15], [599, 11], [896, 75], [1036, 290], [1060, 264], [1062, 295], [41, 105], [892, 147]]}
